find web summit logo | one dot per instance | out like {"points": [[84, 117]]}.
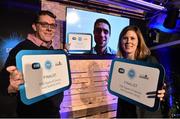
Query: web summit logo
{"points": [[48, 65], [131, 73]]}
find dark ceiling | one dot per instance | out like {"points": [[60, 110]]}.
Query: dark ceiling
{"points": [[125, 8]]}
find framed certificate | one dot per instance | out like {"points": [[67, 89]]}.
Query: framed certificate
{"points": [[136, 82], [45, 72], [79, 42]]}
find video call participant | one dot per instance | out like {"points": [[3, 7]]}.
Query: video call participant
{"points": [[132, 46], [44, 27], [102, 32]]}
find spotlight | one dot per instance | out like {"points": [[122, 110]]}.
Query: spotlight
{"points": [[171, 18]]}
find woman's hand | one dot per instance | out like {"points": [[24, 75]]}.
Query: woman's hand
{"points": [[15, 79], [161, 93]]}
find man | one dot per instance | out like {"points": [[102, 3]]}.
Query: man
{"points": [[44, 27], [102, 32]]}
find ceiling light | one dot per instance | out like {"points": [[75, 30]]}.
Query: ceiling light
{"points": [[148, 4]]}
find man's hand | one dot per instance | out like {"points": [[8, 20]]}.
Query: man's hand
{"points": [[15, 79]]}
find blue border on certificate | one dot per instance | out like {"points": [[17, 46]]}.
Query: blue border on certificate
{"points": [[159, 86], [19, 56], [80, 51]]}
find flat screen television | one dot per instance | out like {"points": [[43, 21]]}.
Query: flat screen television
{"points": [[82, 22]]}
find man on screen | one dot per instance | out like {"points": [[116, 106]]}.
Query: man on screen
{"points": [[102, 32]]}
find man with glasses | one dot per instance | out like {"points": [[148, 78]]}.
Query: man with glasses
{"points": [[102, 32], [44, 27]]}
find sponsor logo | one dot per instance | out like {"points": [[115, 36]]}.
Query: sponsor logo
{"points": [[48, 65], [36, 65], [79, 38], [144, 76], [73, 38], [58, 63], [131, 73], [121, 70]]}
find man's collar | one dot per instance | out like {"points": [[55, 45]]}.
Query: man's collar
{"points": [[38, 41], [96, 49]]}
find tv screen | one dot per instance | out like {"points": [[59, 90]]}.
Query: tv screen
{"points": [[82, 22]]}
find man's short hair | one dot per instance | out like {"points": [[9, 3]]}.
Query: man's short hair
{"points": [[104, 21], [43, 12]]}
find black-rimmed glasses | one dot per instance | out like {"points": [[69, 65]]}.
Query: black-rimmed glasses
{"points": [[47, 25]]}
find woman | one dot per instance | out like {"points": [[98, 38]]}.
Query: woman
{"points": [[132, 46]]}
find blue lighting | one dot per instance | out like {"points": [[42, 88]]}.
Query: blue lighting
{"points": [[157, 22], [7, 44], [162, 28], [165, 60], [170, 98]]}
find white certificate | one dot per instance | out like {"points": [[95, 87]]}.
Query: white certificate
{"points": [[133, 80], [45, 72], [79, 42]]}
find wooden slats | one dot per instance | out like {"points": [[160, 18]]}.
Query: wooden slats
{"points": [[88, 95], [85, 90], [109, 114], [91, 111]]}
